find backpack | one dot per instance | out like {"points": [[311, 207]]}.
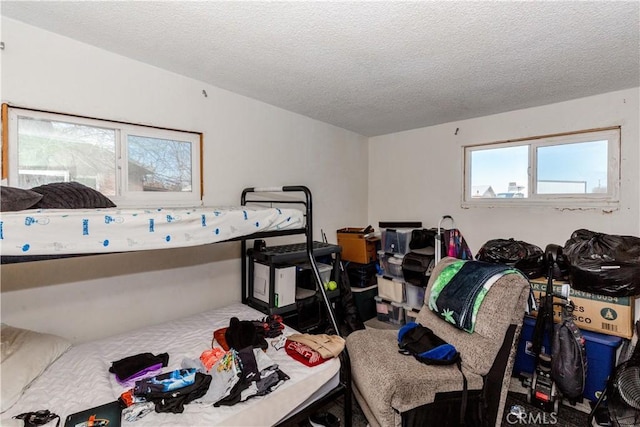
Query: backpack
{"points": [[420, 342], [568, 357]]}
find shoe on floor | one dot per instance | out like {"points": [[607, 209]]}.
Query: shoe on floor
{"points": [[324, 419]]}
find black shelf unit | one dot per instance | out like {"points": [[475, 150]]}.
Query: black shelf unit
{"points": [[290, 254], [308, 250], [305, 305]]}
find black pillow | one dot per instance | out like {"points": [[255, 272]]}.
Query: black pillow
{"points": [[71, 195], [17, 199]]}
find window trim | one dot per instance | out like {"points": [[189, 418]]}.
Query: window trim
{"points": [[566, 201], [9, 156]]}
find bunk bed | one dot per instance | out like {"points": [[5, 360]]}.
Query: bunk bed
{"points": [[79, 379]]}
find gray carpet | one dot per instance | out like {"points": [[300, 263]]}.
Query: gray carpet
{"points": [[534, 417], [566, 417]]}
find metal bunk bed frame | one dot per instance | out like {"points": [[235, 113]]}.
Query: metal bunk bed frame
{"points": [[344, 387]]}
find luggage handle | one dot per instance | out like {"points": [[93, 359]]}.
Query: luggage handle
{"points": [[438, 238]]}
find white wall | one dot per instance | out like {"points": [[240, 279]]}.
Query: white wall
{"points": [[418, 174], [413, 175], [246, 143]]}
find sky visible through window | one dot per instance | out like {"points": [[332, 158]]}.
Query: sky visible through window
{"points": [[562, 169], [580, 162], [500, 166]]}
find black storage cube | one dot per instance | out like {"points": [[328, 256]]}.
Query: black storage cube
{"points": [[364, 299], [362, 275]]}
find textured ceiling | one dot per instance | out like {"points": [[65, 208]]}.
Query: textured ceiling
{"points": [[370, 67]]}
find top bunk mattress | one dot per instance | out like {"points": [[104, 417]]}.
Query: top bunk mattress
{"points": [[94, 231], [80, 378]]}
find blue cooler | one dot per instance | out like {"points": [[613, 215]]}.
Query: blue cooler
{"points": [[601, 357]]}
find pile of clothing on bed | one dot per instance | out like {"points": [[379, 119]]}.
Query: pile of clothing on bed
{"points": [[235, 368]]}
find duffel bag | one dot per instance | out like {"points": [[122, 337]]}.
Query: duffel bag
{"points": [[417, 266]]}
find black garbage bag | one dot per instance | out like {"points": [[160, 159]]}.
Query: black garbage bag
{"points": [[604, 264], [524, 256]]}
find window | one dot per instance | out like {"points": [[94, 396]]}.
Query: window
{"points": [[575, 169], [133, 165]]}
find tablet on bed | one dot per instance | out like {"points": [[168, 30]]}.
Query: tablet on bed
{"points": [[107, 415]]}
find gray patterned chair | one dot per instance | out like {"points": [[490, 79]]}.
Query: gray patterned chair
{"points": [[397, 390]]}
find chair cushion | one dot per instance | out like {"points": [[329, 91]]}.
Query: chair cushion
{"points": [[390, 381], [504, 305]]}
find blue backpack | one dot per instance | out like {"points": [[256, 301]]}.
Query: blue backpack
{"points": [[420, 342]]}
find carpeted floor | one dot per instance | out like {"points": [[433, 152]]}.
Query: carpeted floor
{"points": [[532, 417]]}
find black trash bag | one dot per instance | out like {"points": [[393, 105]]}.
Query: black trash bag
{"points": [[604, 264], [524, 256]]}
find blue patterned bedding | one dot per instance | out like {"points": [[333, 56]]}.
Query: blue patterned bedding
{"points": [[83, 231]]}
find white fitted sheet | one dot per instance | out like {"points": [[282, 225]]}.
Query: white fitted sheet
{"points": [[92, 231], [80, 378]]}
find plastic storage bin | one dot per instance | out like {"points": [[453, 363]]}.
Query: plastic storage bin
{"points": [[364, 299], [391, 264], [414, 295], [383, 309], [601, 357], [304, 275], [410, 315], [390, 289], [396, 240], [389, 312], [361, 275], [397, 313]]}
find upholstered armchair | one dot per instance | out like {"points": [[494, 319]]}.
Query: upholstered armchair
{"points": [[394, 389]]}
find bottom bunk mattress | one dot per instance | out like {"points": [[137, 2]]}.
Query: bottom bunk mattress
{"points": [[80, 378]]}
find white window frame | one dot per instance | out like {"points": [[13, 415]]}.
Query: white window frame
{"points": [[608, 199], [123, 197]]}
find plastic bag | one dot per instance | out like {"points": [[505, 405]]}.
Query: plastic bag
{"points": [[524, 256], [604, 264]]}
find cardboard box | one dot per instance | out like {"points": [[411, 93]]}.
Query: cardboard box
{"points": [[357, 246], [593, 312]]}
